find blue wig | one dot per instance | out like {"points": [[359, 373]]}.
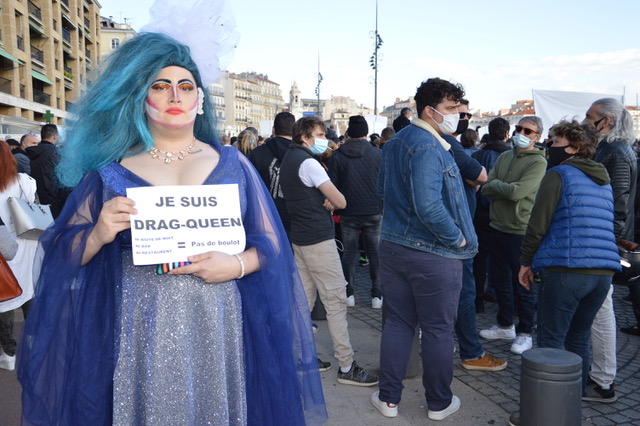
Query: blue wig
{"points": [[109, 122]]}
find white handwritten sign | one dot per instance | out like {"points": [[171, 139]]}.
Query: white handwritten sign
{"points": [[174, 222]]}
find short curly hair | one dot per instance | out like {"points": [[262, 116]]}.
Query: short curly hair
{"points": [[582, 137], [435, 90]]}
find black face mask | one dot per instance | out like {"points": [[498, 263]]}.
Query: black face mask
{"points": [[462, 126], [557, 155]]}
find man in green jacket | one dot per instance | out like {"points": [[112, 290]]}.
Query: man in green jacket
{"points": [[512, 187]]}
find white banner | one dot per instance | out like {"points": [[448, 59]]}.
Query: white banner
{"points": [[174, 222], [376, 123], [266, 127], [552, 105]]}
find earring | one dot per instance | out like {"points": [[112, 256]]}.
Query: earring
{"points": [[200, 101]]}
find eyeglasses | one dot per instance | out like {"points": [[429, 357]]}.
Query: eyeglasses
{"points": [[468, 115], [525, 130]]}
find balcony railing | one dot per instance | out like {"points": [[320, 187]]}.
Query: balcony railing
{"points": [[66, 2], [35, 11], [5, 85], [41, 97], [87, 23], [37, 54]]}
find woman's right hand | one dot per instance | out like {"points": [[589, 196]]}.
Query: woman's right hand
{"points": [[113, 218]]}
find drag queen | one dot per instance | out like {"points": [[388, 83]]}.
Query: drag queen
{"points": [[224, 340]]}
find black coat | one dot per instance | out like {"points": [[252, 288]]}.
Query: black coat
{"points": [[353, 169], [400, 122], [621, 163], [44, 159]]}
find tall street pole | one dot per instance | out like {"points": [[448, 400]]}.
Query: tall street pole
{"points": [[373, 62]]}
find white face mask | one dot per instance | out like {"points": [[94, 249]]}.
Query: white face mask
{"points": [[449, 123]]}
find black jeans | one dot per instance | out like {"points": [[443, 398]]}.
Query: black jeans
{"points": [[7, 341], [504, 261], [351, 227]]}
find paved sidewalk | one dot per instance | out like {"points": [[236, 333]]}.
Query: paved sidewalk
{"points": [[487, 398], [351, 405]]}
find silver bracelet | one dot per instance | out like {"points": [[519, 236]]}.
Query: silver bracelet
{"points": [[237, 256]]}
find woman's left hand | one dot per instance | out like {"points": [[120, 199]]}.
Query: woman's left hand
{"points": [[525, 276], [218, 267]]}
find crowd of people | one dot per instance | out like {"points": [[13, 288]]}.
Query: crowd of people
{"points": [[444, 222]]}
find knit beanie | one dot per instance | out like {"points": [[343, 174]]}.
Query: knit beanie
{"points": [[358, 127]]}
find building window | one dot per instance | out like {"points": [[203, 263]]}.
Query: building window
{"points": [[115, 43]]}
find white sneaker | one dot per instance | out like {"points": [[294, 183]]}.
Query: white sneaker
{"points": [[386, 408], [7, 362], [376, 303], [496, 332], [443, 414], [522, 343], [351, 301]]}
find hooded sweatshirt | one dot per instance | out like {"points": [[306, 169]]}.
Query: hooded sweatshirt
{"points": [[512, 186], [266, 159]]}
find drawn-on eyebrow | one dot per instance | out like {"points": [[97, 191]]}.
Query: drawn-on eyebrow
{"points": [[186, 80], [162, 80]]}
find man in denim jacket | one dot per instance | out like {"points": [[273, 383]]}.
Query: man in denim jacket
{"points": [[426, 232]]}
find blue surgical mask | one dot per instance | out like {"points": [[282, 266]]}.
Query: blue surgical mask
{"points": [[320, 146], [521, 141]]}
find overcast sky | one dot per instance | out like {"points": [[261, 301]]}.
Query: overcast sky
{"points": [[498, 50]]}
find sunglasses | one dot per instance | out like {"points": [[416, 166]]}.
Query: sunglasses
{"points": [[525, 130], [465, 114]]}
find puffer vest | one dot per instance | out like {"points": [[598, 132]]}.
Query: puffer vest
{"points": [[581, 232]]}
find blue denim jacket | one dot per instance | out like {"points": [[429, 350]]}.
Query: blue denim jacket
{"points": [[424, 201]]}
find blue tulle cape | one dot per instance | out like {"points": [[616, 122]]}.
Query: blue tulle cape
{"points": [[67, 356]]}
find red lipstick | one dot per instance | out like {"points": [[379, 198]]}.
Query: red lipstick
{"points": [[174, 111]]}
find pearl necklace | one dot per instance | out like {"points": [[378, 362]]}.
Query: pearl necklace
{"points": [[169, 156]]}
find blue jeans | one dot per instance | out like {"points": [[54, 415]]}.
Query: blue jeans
{"points": [[567, 304], [466, 330], [504, 264], [419, 288], [351, 227]]}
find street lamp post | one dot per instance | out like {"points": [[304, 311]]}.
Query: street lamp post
{"points": [[318, 86], [373, 62]]}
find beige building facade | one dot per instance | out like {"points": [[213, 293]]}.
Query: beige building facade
{"points": [[47, 50], [113, 34], [249, 98]]}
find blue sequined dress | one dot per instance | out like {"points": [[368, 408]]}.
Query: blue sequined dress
{"points": [[109, 342], [180, 357]]}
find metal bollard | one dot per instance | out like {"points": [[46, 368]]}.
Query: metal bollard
{"points": [[550, 388]]}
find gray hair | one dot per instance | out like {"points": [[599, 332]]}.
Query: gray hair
{"points": [[621, 121], [536, 122]]}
